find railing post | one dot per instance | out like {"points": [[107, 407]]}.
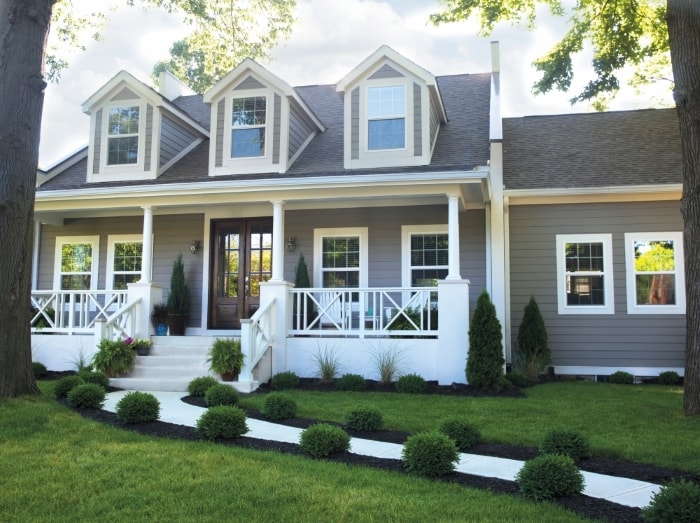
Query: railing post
{"points": [[99, 330], [248, 346], [278, 291], [453, 329]]}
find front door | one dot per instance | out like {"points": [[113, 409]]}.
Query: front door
{"points": [[241, 259]]}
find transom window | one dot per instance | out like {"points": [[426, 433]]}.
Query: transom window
{"points": [[123, 135], [248, 121], [584, 274], [76, 263], [655, 273], [386, 117]]}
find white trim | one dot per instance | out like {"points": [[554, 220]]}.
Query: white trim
{"points": [[319, 234], [119, 170], [679, 273], [406, 232], [608, 281], [94, 270], [581, 370], [617, 193], [111, 240]]}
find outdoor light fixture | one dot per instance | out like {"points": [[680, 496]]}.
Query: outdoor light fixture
{"points": [[194, 248], [291, 244]]}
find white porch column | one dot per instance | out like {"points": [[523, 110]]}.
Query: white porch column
{"points": [[453, 238], [147, 250], [277, 241]]}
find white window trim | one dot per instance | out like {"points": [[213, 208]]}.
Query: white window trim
{"points": [[407, 149], [606, 240], [119, 238], [107, 168], [265, 159], [319, 234], [368, 119], [678, 254], [406, 232], [62, 240]]}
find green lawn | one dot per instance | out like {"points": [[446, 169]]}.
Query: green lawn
{"points": [[57, 466]]}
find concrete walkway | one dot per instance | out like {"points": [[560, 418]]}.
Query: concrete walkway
{"points": [[629, 492]]}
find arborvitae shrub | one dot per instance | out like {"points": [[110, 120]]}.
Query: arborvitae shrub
{"points": [[429, 454], [669, 377], [284, 380], [39, 369], [98, 377], [65, 385], [533, 349], [222, 422], [352, 382], [411, 383], [321, 440], [485, 361], [463, 433], [621, 378], [567, 442], [365, 418], [221, 394], [676, 502], [550, 476], [87, 396], [138, 407], [278, 405], [198, 386]]}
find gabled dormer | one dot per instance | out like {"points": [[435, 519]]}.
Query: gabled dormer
{"points": [[135, 132], [259, 123], [392, 112]]}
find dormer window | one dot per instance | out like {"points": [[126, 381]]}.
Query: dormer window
{"points": [[386, 117], [248, 126], [123, 135]]}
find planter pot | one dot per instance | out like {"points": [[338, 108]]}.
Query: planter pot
{"points": [[229, 376], [142, 351], [162, 329], [177, 324]]}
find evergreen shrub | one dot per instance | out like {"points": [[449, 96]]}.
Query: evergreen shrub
{"points": [[621, 378], [463, 433], [138, 407], [485, 361], [39, 369], [676, 502], [222, 422], [549, 476], [198, 386], [278, 405], [98, 377], [669, 377], [321, 440], [65, 385], [351, 382], [533, 350], [87, 396], [429, 454], [221, 394], [284, 380], [365, 418], [412, 384], [567, 442]]}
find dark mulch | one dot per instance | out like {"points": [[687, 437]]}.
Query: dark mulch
{"points": [[593, 508]]}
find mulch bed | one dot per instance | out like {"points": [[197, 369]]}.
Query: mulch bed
{"points": [[593, 508]]}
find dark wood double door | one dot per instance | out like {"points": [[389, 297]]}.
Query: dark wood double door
{"points": [[241, 259]]}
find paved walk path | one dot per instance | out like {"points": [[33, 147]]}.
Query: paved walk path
{"points": [[629, 492]]}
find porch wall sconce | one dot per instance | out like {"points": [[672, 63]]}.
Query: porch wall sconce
{"points": [[291, 244], [194, 248]]}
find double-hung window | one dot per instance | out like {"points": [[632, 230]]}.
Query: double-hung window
{"points": [[124, 259], [340, 257], [585, 274], [386, 117], [76, 262], [655, 273], [425, 255], [123, 135], [248, 126]]}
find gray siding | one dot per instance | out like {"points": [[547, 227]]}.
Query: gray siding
{"points": [[417, 122], [277, 129], [386, 71], [299, 130], [172, 235], [434, 119], [174, 139], [220, 116], [124, 94], [249, 83], [149, 138], [97, 146], [355, 123], [592, 340]]}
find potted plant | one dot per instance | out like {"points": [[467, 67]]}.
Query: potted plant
{"points": [[114, 357], [226, 358], [159, 319], [142, 347], [178, 299]]}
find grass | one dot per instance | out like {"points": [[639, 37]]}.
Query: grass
{"points": [[60, 467], [642, 423]]}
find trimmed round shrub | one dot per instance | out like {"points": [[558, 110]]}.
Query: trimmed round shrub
{"points": [[284, 380], [65, 385], [518, 379], [621, 377], [39, 369], [676, 502], [98, 377], [461, 431], [87, 396], [321, 440], [198, 386], [566, 442], [550, 476], [221, 395], [365, 418], [279, 405], [669, 377], [351, 382], [429, 454], [412, 384], [138, 407], [222, 422]]}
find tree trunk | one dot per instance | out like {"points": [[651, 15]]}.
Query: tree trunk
{"points": [[24, 26], [683, 19]]}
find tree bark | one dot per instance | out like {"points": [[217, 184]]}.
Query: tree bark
{"points": [[683, 20], [24, 26]]}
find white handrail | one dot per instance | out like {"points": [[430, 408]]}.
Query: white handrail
{"points": [[256, 337], [73, 311]]}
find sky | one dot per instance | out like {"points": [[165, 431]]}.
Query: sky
{"points": [[329, 38]]}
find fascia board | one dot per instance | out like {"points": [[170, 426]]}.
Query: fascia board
{"points": [[247, 66], [142, 90], [590, 194]]}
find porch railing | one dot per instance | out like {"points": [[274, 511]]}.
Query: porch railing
{"points": [[74, 312], [120, 325], [395, 311], [256, 337]]}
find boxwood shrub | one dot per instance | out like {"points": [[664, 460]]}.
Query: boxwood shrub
{"points": [[365, 418], [278, 405], [351, 382], [221, 394], [669, 377], [321, 440], [429, 454], [676, 502], [550, 476], [222, 422], [138, 407], [284, 380], [98, 377], [198, 386], [412, 384], [65, 385], [87, 396], [567, 442], [39, 369], [621, 377], [463, 433]]}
